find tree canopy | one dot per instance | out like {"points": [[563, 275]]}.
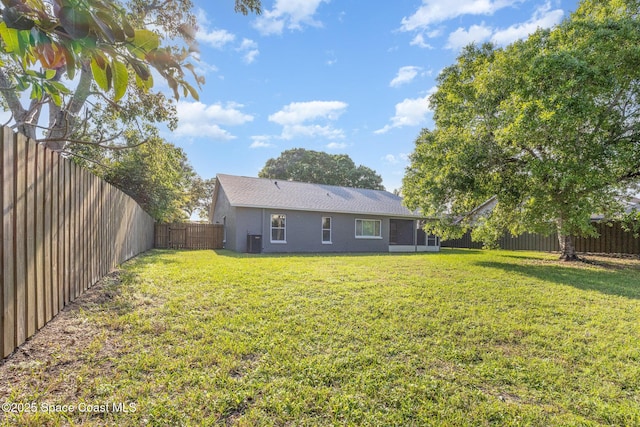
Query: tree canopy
{"points": [[548, 128], [317, 167], [62, 53]]}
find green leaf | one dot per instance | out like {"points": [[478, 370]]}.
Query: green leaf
{"points": [[10, 38], [52, 91], [120, 79], [99, 73], [75, 21], [144, 84], [36, 91], [49, 74], [104, 28], [71, 63], [146, 40], [192, 91]]}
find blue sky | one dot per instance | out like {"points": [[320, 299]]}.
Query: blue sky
{"points": [[344, 76]]}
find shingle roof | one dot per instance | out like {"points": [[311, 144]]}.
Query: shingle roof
{"points": [[280, 194]]}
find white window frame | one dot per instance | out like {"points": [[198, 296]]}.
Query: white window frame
{"points": [[271, 228], [330, 241], [379, 221], [432, 239]]}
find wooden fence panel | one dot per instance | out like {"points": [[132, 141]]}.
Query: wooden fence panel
{"points": [[8, 233], [62, 230], [189, 236], [613, 239], [21, 244], [30, 238]]}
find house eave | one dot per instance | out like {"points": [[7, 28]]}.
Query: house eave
{"points": [[354, 212]]}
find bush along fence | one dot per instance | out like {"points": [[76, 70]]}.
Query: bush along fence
{"points": [[62, 230], [613, 239]]}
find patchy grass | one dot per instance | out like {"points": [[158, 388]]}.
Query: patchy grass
{"points": [[459, 338]]}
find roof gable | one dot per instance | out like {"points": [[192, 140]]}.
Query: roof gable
{"points": [[290, 195]]}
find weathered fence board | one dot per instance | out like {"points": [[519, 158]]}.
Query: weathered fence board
{"points": [[189, 236], [613, 239], [62, 230]]}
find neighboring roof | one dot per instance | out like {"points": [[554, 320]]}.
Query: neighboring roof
{"points": [[243, 191]]}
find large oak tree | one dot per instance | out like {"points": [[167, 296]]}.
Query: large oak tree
{"points": [[299, 164], [547, 128]]}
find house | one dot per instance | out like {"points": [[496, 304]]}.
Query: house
{"points": [[268, 215]]}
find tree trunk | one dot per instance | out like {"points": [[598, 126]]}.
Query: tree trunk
{"points": [[567, 248], [62, 121]]}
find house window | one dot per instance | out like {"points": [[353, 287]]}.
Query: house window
{"points": [[368, 229], [433, 240], [278, 228], [326, 229]]}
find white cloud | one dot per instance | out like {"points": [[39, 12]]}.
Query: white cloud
{"points": [[405, 75], [436, 11], [250, 50], [296, 116], [336, 146], [215, 38], [292, 14], [261, 141], [475, 34], [544, 17], [410, 112], [220, 39], [419, 41], [396, 159], [300, 112], [201, 120], [209, 131], [332, 57], [311, 131]]}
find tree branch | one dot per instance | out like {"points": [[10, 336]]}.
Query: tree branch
{"points": [[65, 120], [10, 95]]}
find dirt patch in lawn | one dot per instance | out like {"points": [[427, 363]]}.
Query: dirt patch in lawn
{"points": [[50, 364]]}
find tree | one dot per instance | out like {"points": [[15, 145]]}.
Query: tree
{"points": [[156, 174], [548, 127], [303, 165], [109, 48], [201, 196]]}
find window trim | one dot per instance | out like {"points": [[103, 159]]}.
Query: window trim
{"points": [[435, 239], [271, 228], [372, 237], [330, 229]]}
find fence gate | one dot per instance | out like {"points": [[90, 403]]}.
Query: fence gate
{"points": [[177, 237], [189, 236]]}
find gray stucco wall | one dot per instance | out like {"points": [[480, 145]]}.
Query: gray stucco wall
{"points": [[304, 232], [225, 214]]}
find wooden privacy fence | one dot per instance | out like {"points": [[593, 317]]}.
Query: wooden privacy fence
{"points": [[62, 230], [613, 239], [189, 236]]}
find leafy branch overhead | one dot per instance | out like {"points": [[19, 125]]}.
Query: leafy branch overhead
{"points": [[46, 39], [84, 58]]}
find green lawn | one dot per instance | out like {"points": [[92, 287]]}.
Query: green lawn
{"points": [[457, 338]]}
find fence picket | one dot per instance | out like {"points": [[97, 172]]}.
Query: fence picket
{"points": [[62, 230]]}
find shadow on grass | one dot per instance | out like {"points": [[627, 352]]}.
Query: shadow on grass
{"points": [[618, 283], [446, 251]]}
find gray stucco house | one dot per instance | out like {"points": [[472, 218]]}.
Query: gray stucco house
{"points": [[268, 215]]}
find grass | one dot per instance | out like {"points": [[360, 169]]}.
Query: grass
{"points": [[459, 338]]}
